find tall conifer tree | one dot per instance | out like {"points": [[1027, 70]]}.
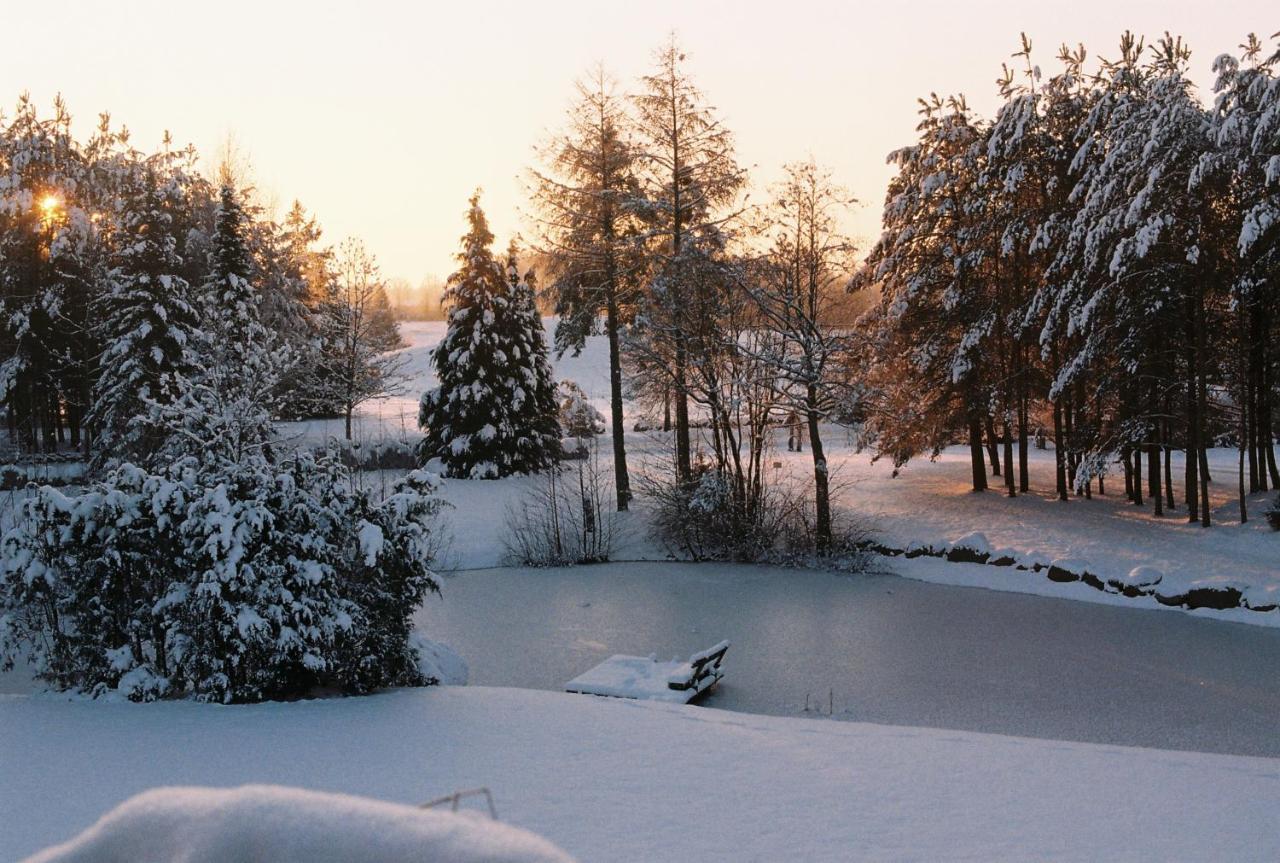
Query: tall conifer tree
{"points": [[484, 419]]}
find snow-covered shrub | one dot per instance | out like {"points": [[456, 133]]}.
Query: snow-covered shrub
{"points": [[705, 519], [1273, 514], [709, 519], [566, 518], [376, 455], [578, 417], [251, 582]]}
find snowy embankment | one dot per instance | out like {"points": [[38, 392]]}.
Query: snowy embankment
{"points": [[611, 780]]}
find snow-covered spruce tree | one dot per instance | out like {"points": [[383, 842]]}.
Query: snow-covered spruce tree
{"points": [[147, 324], [484, 419], [301, 273], [224, 408], [536, 410], [578, 417]]}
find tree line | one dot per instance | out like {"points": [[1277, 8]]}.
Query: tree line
{"points": [[108, 272], [156, 318], [1095, 266], [1100, 258]]}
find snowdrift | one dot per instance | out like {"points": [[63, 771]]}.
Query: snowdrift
{"points": [[290, 825]]}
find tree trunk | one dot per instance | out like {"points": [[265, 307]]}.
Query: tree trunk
{"points": [[1059, 452], [621, 479], [1068, 420], [1137, 475], [1024, 474], [1250, 408], [1010, 483], [976, 458], [1244, 445], [821, 490], [993, 446], [1202, 411], [1191, 478], [1268, 435], [1153, 471], [1204, 487], [684, 462]]}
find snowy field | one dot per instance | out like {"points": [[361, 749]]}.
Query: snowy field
{"points": [[608, 780]]}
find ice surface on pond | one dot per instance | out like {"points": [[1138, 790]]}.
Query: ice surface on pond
{"points": [[883, 649]]}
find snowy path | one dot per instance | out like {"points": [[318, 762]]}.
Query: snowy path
{"points": [[610, 780], [883, 649]]}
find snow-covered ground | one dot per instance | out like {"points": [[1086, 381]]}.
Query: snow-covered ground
{"points": [[610, 780], [929, 503]]}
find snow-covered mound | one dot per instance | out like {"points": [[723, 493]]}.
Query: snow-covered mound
{"points": [[440, 661], [290, 825]]}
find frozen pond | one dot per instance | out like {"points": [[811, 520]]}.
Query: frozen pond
{"points": [[878, 648]]}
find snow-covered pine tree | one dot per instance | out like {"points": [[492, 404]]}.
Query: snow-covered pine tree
{"points": [[1243, 169], [147, 323], [1141, 264], [463, 417], [1014, 198], [1057, 154], [933, 316], [47, 241], [225, 407], [535, 409]]}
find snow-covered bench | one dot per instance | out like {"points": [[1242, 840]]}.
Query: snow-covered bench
{"points": [[647, 679]]}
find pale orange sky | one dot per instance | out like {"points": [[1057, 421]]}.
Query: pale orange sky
{"points": [[382, 116]]}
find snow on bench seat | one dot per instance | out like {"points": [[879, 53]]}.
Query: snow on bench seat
{"points": [[646, 679]]}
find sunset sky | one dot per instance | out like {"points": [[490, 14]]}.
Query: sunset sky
{"points": [[382, 117]]}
